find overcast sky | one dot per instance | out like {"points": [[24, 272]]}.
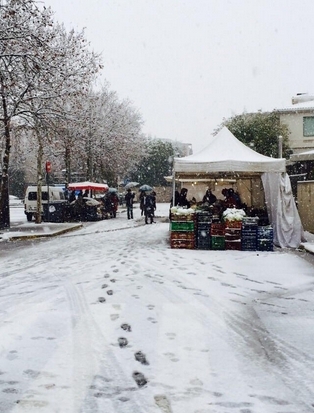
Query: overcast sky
{"points": [[186, 65]]}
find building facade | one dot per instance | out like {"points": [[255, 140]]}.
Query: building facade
{"points": [[299, 117]]}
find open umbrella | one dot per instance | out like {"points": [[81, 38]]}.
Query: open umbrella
{"points": [[146, 188], [110, 190], [131, 185]]}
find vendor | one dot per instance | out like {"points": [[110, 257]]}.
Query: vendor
{"points": [[209, 198], [182, 201], [232, 199]]}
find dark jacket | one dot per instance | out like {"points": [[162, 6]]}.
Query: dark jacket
{"points": [[150, 203], [129, 197], [209, 197], [183, 202]]}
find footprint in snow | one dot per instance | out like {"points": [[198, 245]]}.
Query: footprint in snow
{"points": [[139, 356], [126, 327], [139, 378], [123, 342]]}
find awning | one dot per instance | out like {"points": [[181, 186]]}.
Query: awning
{"points": [[91, 186]]}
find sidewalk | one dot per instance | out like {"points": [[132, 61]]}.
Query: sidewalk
{"points": [[31, 230]]}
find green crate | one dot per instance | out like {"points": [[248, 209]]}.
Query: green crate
{"points": [[182, 226], [218, 243]]}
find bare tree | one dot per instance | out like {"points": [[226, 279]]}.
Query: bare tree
{"points": [[40, 63]]}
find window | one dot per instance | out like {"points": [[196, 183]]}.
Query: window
{"points": [[32, 196], [308, 126]]}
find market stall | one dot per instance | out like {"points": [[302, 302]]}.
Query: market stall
{"points": [[85, 207], [260, 180]]}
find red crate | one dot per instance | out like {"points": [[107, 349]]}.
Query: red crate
{"points": [[233, 224], [184, 244], [217, 228], [233, 245], [182, 235]]}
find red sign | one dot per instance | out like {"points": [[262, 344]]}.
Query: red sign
{"points": [[48, 166]]}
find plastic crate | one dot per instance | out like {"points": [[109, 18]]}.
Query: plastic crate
{"points": [[182, 226], [233, 245], [250, 221], [232, 237], [182, 235], [233, 224], [249, 246], [203, 226], [265, 245], [203, 217], [217, 243], [203, 246], [184, 244], [249, 230], [182, 217], [233, 232], [265, 232], [217, 229]]}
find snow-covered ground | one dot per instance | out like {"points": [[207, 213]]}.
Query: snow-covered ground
{"points": [[110, 319]]}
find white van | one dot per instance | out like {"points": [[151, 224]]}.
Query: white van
{"points": [[30, 202]]}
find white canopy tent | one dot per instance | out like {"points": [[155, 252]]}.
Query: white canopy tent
{"points": [[226, 156], [225, 153]]}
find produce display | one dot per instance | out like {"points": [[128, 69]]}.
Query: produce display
{"points": [[233, 230]]}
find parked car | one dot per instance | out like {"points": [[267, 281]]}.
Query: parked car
{"points": [[14, 201]]}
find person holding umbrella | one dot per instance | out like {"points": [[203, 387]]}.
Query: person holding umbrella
{"points": [[129, 199]]}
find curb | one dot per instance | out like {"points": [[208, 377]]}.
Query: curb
{"points": [[50, 235]]}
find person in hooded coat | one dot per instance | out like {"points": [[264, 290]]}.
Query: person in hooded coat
{"points": [[183, 202], [150, 205], [209, 198]]}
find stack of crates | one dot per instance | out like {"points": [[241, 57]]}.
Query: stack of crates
{"points": [[217, 235], [233, 235], [202, 233], [182, 229], [249, 233], [265, 238]]}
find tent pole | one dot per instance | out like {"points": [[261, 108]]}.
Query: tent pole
{"points": [[173, 186]]}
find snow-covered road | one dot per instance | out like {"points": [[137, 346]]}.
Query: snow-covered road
{"points": [[109, 319]]}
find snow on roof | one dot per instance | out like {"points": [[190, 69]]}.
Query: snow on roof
{"points": [[297, 107]]}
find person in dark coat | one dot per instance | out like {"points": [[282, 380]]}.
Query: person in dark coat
{"points": [[72, 197], [142, 202], [232, 199], [149, 208], [129, 199], [209, 198], [183, 202], [115, 202]]}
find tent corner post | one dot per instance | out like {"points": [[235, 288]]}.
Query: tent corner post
{"points": [[173, 187]]}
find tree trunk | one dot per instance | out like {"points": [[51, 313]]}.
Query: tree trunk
{"points": [[39, 176], [67, 161], [4, 183]]}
